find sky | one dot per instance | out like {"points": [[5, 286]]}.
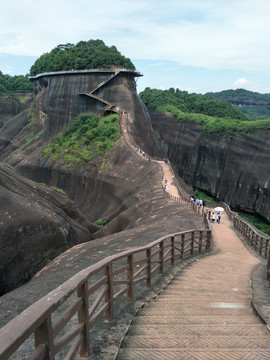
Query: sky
{"points": [[194, 45]]}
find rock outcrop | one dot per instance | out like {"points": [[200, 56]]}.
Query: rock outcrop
{"points": [[234, 169], [37, 224]]}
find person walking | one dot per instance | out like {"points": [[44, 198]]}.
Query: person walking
{"points": [[218, 217]]}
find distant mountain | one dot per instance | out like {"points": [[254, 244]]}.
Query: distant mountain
{"points": [[252, 104]]}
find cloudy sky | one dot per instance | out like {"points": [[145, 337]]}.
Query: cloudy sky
{"points": [[193, 45]]}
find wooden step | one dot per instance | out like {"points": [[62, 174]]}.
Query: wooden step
{"points": [[169, 354], [199, 342], [232, 330], [200, 320], [191, 311]]}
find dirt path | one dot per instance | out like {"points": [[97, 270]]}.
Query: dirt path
{"points": [[169, 178], [205, 312]]}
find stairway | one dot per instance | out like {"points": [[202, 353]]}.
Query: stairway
{"points": [[204, 313], [110, 106], [105, 81]]}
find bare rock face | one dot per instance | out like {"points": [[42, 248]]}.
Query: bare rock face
{"points": [[234, 169], [61, 97], [8, 107], [36, 225], [15, 121]]}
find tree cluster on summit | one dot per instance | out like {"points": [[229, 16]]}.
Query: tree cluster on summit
{"points": [[90, 54]]}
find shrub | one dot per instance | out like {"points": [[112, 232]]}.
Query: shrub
{"points": [[87, 137]]}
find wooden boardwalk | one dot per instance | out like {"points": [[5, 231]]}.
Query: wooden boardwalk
{"points": [[205, 312]]}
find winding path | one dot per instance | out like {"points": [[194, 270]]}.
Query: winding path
{"points": [[205, 312]]}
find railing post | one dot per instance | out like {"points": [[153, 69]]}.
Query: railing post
{"points": [[260, 249], [200, 242], [161, 256], [172, 250], [83, 317], [256, 242], [192, 242], [268, 268], [130, 278], [208, 243], [182, 245], [148, 269], [44, 336], [109, 292], [266, 248], [252, 238]]}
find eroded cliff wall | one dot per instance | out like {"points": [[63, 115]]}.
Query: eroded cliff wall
{"points": [[59, 98], [234, 169]]}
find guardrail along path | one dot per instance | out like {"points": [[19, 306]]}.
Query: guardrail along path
{"points": [[205, 312]]}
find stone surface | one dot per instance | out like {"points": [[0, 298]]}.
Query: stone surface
{"points": [[36, 225]]}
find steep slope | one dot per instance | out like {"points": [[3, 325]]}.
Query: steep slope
{"points": [[36, 225]]}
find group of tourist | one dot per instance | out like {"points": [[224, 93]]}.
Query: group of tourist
{"points": [[214, 216], [165, 183], [196, 201]]}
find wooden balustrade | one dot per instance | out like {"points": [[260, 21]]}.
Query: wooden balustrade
{"points": [[91, 294], [259, 242]]}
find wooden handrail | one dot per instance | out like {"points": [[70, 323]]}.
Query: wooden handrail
{"points": [[37, 318], [260, 243]]}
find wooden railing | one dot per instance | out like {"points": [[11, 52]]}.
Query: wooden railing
{"points": [[61, 320], [260, 243]]}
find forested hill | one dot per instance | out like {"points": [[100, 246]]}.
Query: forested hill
{"points": [[90, 54], [252, 104], [9, 84], [217, 117], [190, 103]]}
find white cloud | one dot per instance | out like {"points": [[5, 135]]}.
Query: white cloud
{"points": [[6, 69], [208, 34], [242, 82], [214, 34]]}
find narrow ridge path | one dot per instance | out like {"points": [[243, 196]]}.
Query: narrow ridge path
{"points": [[205, 312]]}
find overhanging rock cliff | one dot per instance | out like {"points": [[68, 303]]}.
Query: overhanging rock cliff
{"points": [[234, 169]]}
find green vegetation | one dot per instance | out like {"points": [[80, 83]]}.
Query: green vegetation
{"points": [[190, 103], [9, 84], [7, 165], [60, 191], [210, 201], [84, 55], [101, 223], [257, 222], [86, 138], [221, 124], [252, 104]]}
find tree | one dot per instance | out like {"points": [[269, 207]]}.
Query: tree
{"points": [[84, 55]]}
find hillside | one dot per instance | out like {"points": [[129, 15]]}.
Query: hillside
{"points": [[216, 116], [189, 103], [251, 104]]}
